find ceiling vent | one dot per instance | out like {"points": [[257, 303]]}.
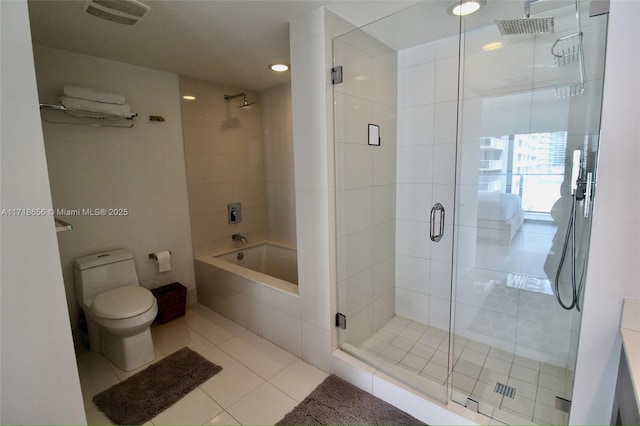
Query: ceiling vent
{"points": [[127, 12]]}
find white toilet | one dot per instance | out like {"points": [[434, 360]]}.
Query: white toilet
{"points": [[118, 311]]}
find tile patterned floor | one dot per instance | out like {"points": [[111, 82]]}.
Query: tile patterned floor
{"points": [[477, 369], [259, 383]]}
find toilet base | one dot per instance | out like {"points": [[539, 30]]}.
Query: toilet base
{"points": [[131, 352]]}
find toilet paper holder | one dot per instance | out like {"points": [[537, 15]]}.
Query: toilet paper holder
{"points": [[152, 256]]}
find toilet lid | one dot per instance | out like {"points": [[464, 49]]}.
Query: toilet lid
{"points": [[123, 302]]}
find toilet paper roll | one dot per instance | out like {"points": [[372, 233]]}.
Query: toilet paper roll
{"points": [[163, 259]]}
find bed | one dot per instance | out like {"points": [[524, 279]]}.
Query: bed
{"points": [[500, 216]]}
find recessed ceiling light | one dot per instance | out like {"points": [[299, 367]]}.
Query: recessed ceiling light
{"points": [[189, 97], [465, 7], [279, 67]]}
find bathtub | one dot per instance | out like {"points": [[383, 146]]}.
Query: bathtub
{"points": [[269, 259], [256, 287]]}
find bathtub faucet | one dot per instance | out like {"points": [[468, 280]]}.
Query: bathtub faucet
{"points": [[238, 237]]}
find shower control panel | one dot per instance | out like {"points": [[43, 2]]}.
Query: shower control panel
{"points": [[235, 212]]}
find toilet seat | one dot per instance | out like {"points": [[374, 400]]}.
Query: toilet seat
{"points": [[123, 302]]}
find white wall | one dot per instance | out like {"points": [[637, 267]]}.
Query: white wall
{"points": [[141, 169], [615, 242], [40, 383]]}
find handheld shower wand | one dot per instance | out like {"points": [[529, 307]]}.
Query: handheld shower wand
{"points": [[578, 191]]}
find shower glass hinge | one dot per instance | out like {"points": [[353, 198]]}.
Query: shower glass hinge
{"points": [[336, 74], [341, 320], [563, 404], [472, 405]]}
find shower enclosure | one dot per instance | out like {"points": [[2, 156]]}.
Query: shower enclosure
{"points": [[465, 173]]}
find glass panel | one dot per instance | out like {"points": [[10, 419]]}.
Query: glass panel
{"points": [[394, 282], [520, 129]]}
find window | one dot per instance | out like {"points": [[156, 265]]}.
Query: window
{"points": [[538, 169]]}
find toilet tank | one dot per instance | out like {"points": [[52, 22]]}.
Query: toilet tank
{"points": [[100, 272]]}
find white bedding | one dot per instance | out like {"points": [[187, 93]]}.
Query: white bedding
{"points": [[497, 206]]}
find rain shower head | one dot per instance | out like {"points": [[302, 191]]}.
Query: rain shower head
{"points": [[526, 25], [245, 103]]}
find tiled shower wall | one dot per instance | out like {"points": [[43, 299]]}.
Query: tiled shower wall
{"points": [[223, 152], [365, 176], [427, 113], [278, 164], [238, 155]]}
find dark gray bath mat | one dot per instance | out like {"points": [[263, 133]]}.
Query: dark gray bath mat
{"points": [[142, 396], [337, 402]]}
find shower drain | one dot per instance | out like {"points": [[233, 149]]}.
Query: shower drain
{"points": [[505, 390]]}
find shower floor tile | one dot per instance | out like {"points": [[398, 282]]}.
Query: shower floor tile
{"points": [[477, 368]]}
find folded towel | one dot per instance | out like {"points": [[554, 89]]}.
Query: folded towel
{"points": [[96, 109], [93, 95]]}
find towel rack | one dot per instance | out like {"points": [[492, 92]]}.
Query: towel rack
{"points": [[59, 114]]}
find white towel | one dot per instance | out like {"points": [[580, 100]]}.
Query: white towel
{"points": [[93, 95], [96, 108]]}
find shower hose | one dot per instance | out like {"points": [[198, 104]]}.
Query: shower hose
{"points": [[575, 287]]}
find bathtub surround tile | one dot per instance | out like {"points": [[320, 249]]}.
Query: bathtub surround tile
{"points": [[315, 341], [282, 329]]}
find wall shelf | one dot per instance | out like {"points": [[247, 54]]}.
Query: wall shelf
{"points": [[62, 226], [59, 114]]}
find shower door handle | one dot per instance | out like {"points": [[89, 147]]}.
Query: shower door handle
{"points": [[437, 207]]}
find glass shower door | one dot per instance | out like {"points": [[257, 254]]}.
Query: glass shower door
{"points": [[395, 147], [530, 120]]}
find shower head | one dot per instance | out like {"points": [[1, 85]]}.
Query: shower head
{"points": [[526, 25], [245, 103]]}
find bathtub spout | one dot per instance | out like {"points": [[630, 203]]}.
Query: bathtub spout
{"points": [[238, 237]]}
